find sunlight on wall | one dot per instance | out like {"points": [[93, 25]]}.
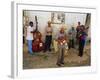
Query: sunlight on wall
{"points": [[71, 19]]}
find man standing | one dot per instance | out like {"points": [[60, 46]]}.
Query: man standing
{"points": [[62, 41], [77, 30], [48, 38], [29, 36], [82, 38], [72, 34]]}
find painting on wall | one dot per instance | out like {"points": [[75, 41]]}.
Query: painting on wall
{"points": [[58, 17]]}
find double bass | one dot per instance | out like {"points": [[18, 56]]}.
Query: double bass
{"points": [[37, 44]]}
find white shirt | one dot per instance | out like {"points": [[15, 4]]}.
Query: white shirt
{"points": [[49, 30], [29, 35]]}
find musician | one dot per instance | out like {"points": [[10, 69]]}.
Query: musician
{"points": [[48, 38], [71, 35], [29, 36], [62, 41], [82, 38], [77, 30]]}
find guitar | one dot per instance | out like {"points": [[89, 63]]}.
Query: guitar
{"points": [[61, 40], [38, 44]]}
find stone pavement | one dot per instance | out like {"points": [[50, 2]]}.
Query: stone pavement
{"points": [[48, 59]]}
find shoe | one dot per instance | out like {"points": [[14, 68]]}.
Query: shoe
{"points": [[44, 51], [62, 63], [80, 55], [33, 54], [49, 50], [58, 64]]}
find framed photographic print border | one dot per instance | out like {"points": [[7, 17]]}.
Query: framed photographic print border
{"points": [[17, 61]]}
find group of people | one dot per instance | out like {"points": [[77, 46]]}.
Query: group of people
{"points": [[30, 37], [64, 40]]}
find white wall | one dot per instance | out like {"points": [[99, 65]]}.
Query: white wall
{"points": [[71, 19], [42, 17]]}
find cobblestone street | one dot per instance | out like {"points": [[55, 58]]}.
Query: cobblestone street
{"points": [[48, 59]]}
